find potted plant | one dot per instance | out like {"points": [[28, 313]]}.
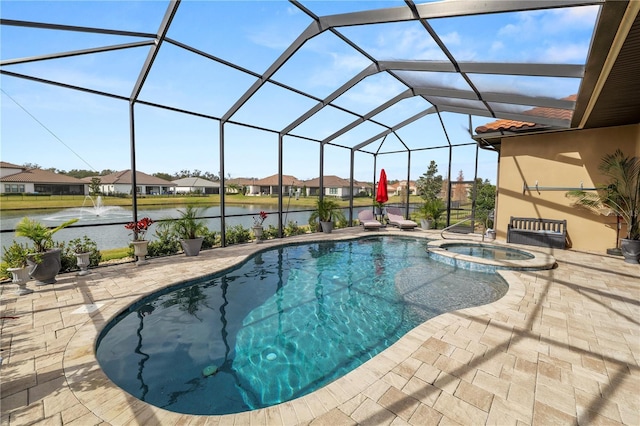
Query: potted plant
{"points": [[621, 196], [327, 210], [15, 262], [140, 245], [257, 225], [429, 212], [83, 249], [189, 229], [44, 260]]}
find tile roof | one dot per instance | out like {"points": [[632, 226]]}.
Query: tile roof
{"points": [[124, 177], [273, 180], [196, 181], [5, 165], [41, 176], [329, 181], [240, 181], [514, 126]]}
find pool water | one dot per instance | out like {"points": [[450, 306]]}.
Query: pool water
{"points": [[284, 323], [488, 252]]}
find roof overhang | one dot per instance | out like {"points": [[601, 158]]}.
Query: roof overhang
{"points": [[610, 91]]}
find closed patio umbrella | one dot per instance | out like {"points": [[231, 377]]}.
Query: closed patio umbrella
{"points": [[381, 193]]}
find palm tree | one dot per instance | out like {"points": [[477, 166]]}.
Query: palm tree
{"points": [[621, 195]]}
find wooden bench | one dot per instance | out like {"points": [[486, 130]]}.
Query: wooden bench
{"points": [[537, 232]]}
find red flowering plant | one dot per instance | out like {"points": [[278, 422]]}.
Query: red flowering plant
{"points": [[257, 221], [139, 228]]}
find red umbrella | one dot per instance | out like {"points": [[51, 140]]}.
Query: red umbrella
{"points": [[381, 194]]}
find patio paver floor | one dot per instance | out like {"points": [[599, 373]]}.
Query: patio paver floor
{"points": [[562, 347]]}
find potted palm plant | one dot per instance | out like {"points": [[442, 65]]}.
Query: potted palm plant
{"points": [[43, 259], [429, 212], [15, 262], [189, 229], [327, 210], [621, 196]]}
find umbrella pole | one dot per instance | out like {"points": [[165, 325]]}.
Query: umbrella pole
{"points": [[616, 251]]}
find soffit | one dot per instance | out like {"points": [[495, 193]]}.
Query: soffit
{"points": [[612, 98]]}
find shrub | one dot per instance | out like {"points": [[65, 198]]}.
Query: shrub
{"points": [[166, 243], [292, 229], [270, 233], [237, 234], [211, 239]]}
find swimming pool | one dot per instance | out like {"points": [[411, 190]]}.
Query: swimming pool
{"points": [[287, 321]]}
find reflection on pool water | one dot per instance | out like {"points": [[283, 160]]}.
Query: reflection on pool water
{"points": [[284, 323], [488, 251]]}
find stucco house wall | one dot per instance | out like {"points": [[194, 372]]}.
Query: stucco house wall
{"points": [[560, 160]]}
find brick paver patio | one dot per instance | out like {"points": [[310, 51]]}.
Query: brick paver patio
{"points": [[562, 347]]}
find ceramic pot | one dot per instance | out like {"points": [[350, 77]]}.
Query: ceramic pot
{"points": [[258, 231], [83, 260], [630, 250], [191, 247], [327, 227], [44, 266], [20, 278], [140, 250]]}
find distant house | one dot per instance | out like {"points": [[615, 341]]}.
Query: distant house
{"points": [[334, 186], [16, 179], [239, 186], [196, 185], [401, 187], [270, 186], [120, 183], [362, 188]]}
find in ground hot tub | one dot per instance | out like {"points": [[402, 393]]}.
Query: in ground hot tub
{"points": [[485, 257]]}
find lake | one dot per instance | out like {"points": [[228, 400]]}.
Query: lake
{"points": [[116, 236]]}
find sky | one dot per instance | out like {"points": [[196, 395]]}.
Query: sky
{"points": [[68, 129]]}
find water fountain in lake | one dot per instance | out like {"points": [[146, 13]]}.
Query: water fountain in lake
{"points": [[91, 210]]}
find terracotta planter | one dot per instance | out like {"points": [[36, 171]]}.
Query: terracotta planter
{"points": [[191, 247], [83, 260], [20, 278], [630, 250], [140, 250], [44, 266]]}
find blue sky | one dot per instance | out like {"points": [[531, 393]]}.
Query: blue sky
{"points": [[76, 130]]}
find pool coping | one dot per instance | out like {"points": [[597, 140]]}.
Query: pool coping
{"points": [[539, 261], [103, 398]]}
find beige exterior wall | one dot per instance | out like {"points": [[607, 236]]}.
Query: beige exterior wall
{"points": [[562, 159]]}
